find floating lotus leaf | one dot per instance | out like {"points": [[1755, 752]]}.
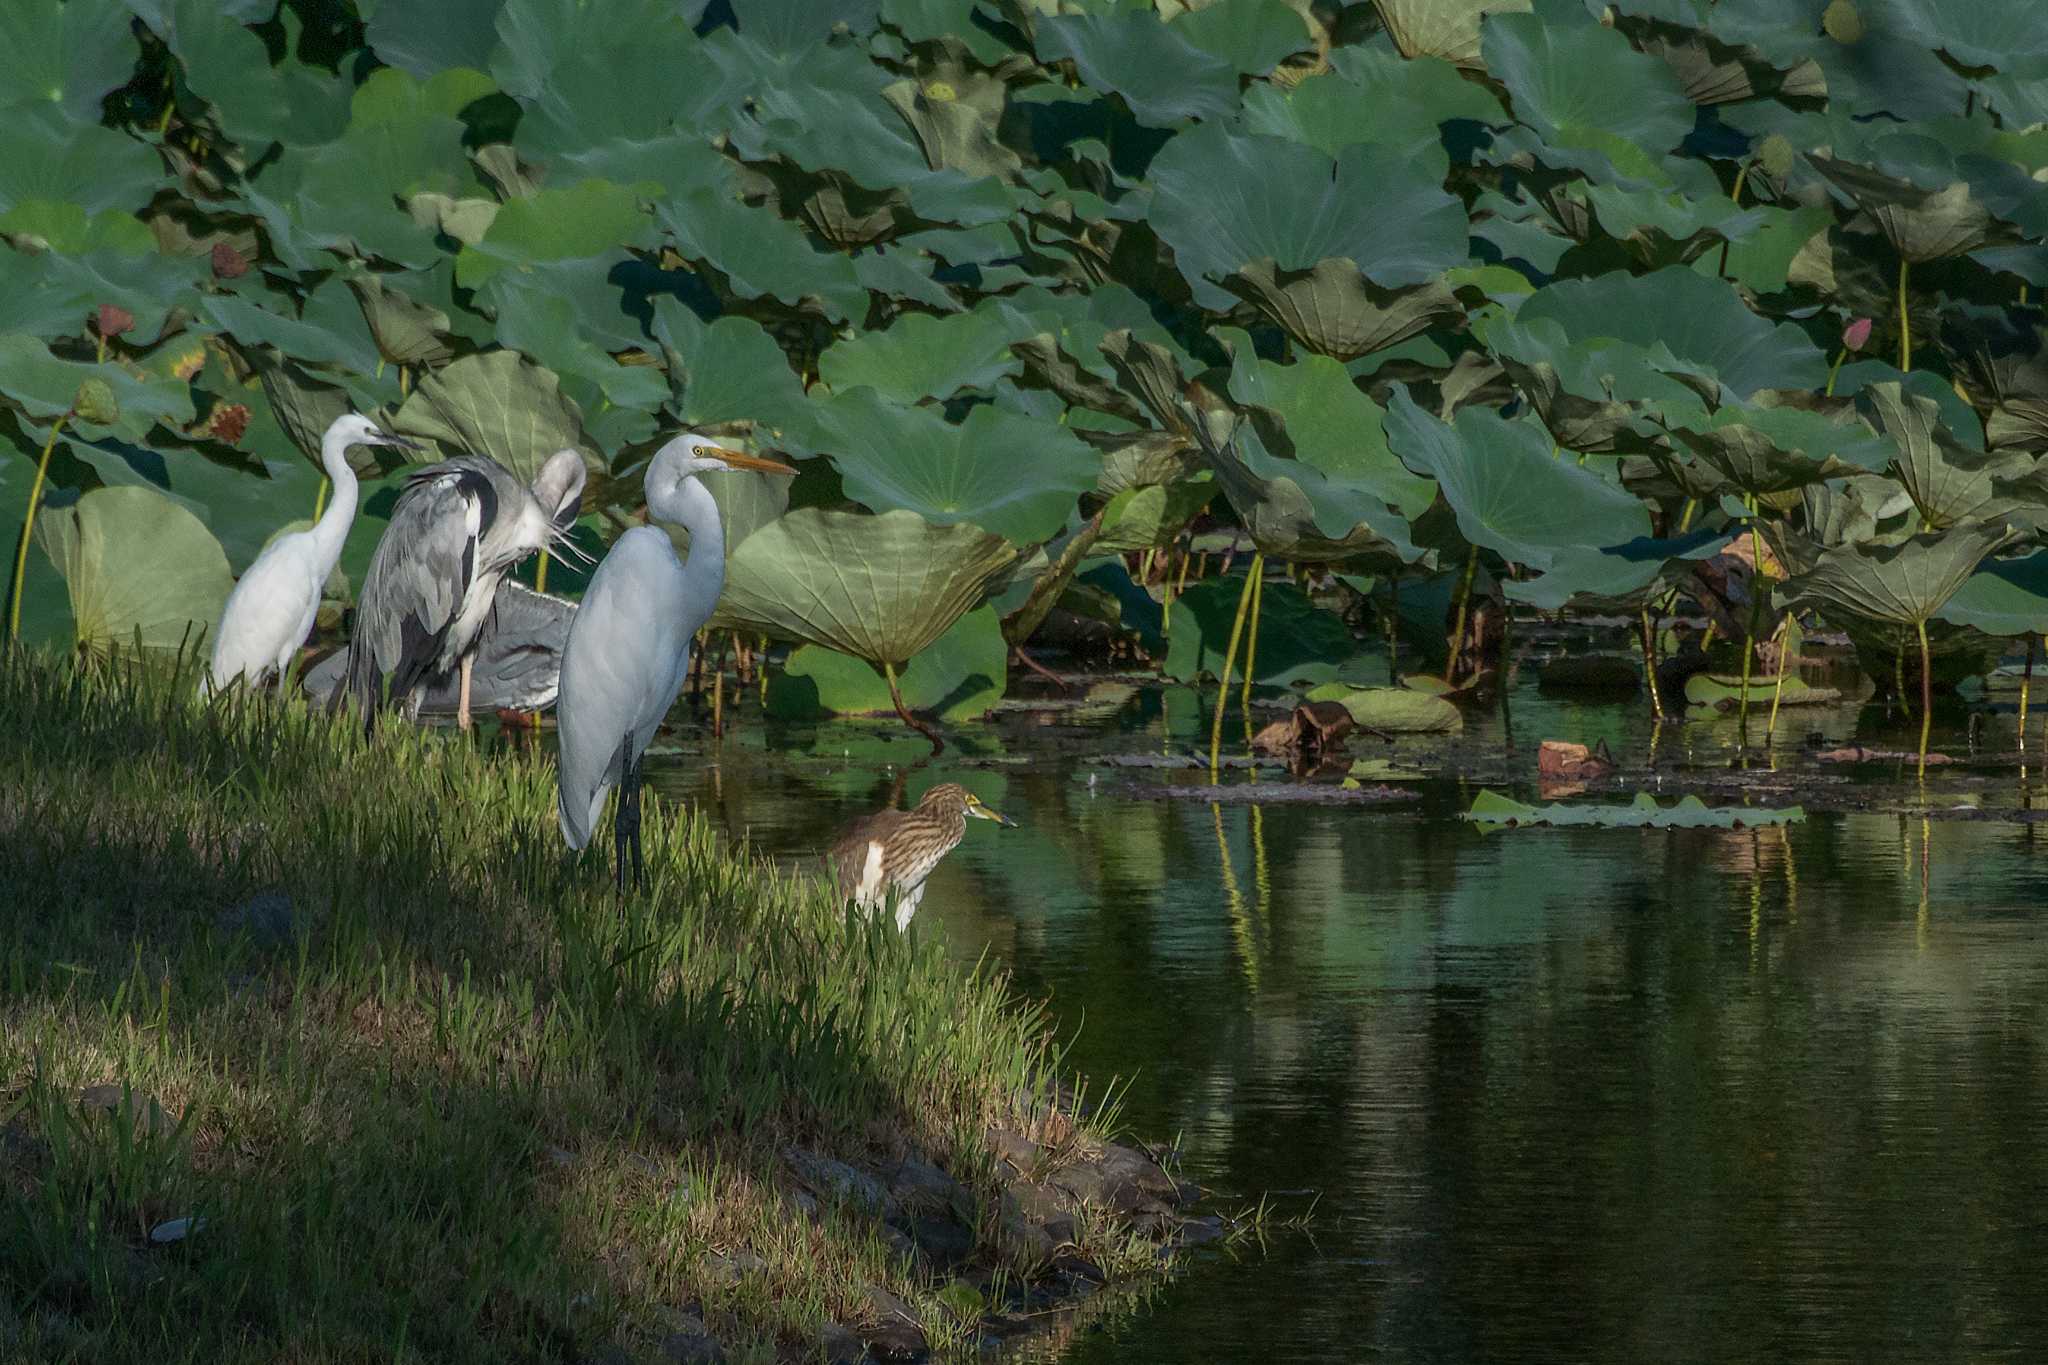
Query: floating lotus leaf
{"points": [[1162, 76], [498, 404], [1448, 29], [1724, 693], [2006, 598], [1579, 84], [1331, 425], [960, 677], [1510, 492], [1777, 449], [1395, 710], [880, 588], [921, 356], [138, 568], [1491, 808], [1897, 584], [1015, 476], [1228, 201], [587, 219], [1297, 641], [1335, 311]]}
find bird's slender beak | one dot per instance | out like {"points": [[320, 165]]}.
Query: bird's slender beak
{"points": [[982, 812], [740, 460], [385, 438]]}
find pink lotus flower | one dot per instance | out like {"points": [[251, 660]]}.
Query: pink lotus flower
{"points": [[1857, 334]]}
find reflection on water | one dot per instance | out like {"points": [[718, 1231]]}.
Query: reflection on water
{"points": [[1563, 1095]]}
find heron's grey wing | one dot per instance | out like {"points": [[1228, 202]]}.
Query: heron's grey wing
{"points": [[423, 565], [324, 679], [518, 662]]}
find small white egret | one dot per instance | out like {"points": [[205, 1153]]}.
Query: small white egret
{"points": [[629, 646], [272, 608], [457, 530]]}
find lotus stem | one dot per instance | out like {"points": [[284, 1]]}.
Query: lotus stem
{"points": [[1458, 624], [404, 380], [1742, 707], [1926, 694], [2026, 682], [1834, 370], [1899, 677], [1223, 684], [1778, 693], [320, 497], [1181, 585], [1251, 636], [1741, 174], [896, 695], [28, 526], [1756, 578], [540, 573], [1649, 639], [1905, 322], [1394, 631], [761, 668]]}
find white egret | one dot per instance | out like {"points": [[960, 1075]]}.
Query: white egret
{"points": [[457, 530], [629, 645], [271, 610]]}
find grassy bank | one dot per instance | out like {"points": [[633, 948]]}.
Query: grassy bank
{"points": [[428, 1089]]}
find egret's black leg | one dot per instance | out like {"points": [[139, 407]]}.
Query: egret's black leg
{"points": [[621, 819], [639, 862]]}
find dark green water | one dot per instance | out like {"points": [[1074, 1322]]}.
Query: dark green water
{"points": [[1556, 1096]]}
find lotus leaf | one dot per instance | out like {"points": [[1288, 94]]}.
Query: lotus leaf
{"points": [[55, 160], [70, 56], [760, 254], [1999, 36], [138, 567], [1160, 74], [1899, 584], [1618, 573], [51, 294], [1012, 475], [407, 331], [228, 66], [498, 404], [1395, 710], [1148, 516], [880, 588], [425, 39], [1510, 493], [344, 340], [1776, 449], [1297, 642], [1579, 84], [1292, 509], [927, 357], [1491, 808], [945, 21], [961, 676], [1725, 693], [1448, 29], [1335, 311], [1921, 224], [45, 387], [1373, 96], [570, 317], [2006, 597], [956, 113], [1226, 201], [732, 372], [1949, 482], [588, 219]]}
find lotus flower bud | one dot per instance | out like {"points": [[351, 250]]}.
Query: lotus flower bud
{"points": [[111, 320], [228, 263], [1856, 335], [95, 403]]}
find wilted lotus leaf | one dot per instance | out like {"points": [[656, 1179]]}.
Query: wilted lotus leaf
{"points": [[955, 112], [305, 408], [1334, 310], [1441, 28], [1012, 475], [880, 588], [497, 404], [1776, 449], [408, 332], [1151, 374], [1142, 459], [1596, 396], [1151, 515], [1228, 201], [1949, 482], [138, 567], [1921, 199], [1509, 491], [2006, 598], [2006, 359], [1897, 584]]}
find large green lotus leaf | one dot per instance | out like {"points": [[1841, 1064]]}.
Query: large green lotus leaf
{"points": [[1775, 450], [554, 225], [926, 21], [1702, 322], [2002, 37], [1162, 76], [1762, 262], [45, 387], [346, 192], [1335, 311], [1373, 96], [241, 502], [1617, 574], [593, 77], [1394, 710], [227, 65], [1015, 476], [733, 372], [1331, 424], [880, 588], [959, 677], [921, 356], [1949, 482], [340, 338], [761, 254], [1492, 809], [1298, 642], [1253, 36], [2006, 597], [1661, 226], [1447, 29], [1580, 84], [1592, 395], [1896, 584], [1510, 491], [570, 316], [68, 55], [138, 567], [52, 158], [1225, 201], [425, 39], [1144, 517], [497, 404], [53, 293]]}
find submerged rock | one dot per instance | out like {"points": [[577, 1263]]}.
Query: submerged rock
{"points": [[897, 1333]]}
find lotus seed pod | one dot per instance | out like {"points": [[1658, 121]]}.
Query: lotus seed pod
{"points": [[1775, 156], [95, 403]]}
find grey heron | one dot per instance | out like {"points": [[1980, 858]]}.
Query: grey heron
{"points": [[517, 659], [271, 610], [458, 528], [629, 645], [896, 850]]}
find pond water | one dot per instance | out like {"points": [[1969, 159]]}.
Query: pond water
{"points": [[1552, 1095]]}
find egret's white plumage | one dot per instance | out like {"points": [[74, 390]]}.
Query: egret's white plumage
{"points": [[271, 610], [629, 646]]}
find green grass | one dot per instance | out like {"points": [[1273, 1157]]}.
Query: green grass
{"points": [[476, 1107]]}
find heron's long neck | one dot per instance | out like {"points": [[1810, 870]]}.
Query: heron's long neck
{"points": [[689, 504], [332, 528]]}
